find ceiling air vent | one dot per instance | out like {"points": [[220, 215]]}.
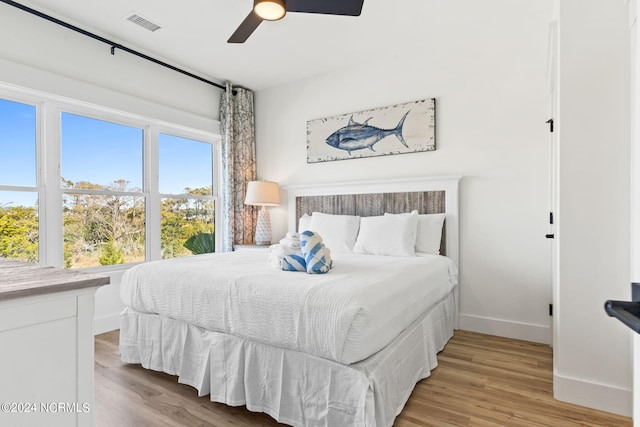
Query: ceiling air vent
{"points": [[144, 23]]}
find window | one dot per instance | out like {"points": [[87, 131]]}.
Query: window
{"points": [[104, 204], [19, 219], [117, 188], [187, 204]]}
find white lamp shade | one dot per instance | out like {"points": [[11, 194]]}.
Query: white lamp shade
{"points": [[262, 193]]}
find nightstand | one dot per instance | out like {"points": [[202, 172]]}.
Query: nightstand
{"points": [[248, 247]]}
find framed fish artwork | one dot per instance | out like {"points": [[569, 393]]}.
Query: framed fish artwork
{"points": [[397, 129]]}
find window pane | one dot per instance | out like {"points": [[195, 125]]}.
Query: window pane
{"points": [[97, 154], [186, 165], [184, 219], [19, 225], [17, 143], [103, 230]]}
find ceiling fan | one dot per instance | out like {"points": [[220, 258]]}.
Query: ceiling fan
{"points": [[273, 10]]}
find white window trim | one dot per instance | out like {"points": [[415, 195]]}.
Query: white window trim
{"points": [[49, 109]]}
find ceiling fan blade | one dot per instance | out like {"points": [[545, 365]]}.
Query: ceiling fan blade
{"points": [[327, 7], [245, 29]]}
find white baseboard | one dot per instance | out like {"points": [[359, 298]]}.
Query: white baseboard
{"points": [[593, 395], [107, 323], [507, 329]]}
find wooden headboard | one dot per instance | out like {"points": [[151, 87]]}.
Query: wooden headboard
{"points": [[438, 194], [373, 204]]}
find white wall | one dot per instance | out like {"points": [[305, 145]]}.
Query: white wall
{"points": [[592, 351], [485, 63], [40, 55], [635, 192], [29, 40]]}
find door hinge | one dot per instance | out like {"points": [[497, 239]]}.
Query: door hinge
{"points": [[550, 121], [551, 218], [550, 309]]}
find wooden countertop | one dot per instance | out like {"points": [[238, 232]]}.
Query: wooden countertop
{"points": [[21, 279]]}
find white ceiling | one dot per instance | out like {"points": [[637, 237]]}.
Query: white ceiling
{"points": [[194, 34]]}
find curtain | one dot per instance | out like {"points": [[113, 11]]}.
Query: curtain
{"points": [[238, 166]]}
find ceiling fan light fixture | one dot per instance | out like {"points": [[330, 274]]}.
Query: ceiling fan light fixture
{"points": [[269, 10]]}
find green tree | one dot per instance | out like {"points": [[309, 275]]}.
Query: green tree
{"points": [[183, 218], [110, 254], [19, 233], [109, 229], [95, 223]]}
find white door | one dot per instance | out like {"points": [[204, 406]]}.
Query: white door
{"points": [[552, 235]]}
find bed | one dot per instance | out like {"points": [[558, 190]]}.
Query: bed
{"points": [[339, 349]]}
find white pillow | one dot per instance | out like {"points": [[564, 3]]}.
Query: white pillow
{"points": [[304, 223], [429, 232], [392, 235], [338, 232]]}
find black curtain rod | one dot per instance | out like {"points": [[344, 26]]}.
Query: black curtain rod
{"points": [[111, 43]]}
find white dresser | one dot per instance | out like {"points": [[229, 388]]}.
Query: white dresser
{"points": [[46, 345]]}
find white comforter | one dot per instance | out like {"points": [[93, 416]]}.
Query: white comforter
{"points": [[346, 315]]}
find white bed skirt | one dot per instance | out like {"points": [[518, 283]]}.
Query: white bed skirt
{"points": [[294, 388]]}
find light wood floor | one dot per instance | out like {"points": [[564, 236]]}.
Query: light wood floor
{"points": [[480, 380]]}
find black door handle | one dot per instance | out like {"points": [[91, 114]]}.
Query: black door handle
{"points": [[549, 236]]}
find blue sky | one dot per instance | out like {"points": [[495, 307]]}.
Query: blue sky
{"points": [[17, 144], [96, 151], [183, 163], [100, 152]]}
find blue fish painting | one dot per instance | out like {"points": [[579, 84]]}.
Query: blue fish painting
{"points": [[358, 136], [405, 128]]}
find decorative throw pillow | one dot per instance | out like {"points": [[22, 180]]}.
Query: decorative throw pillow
{"points": [[316, 255]]}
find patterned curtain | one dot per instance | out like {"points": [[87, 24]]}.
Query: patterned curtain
{"points": [[238, 166]]}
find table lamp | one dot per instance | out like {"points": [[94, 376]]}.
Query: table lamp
{"points": [[263, 193]]}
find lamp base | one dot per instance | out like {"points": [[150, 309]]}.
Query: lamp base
{"points": [[263, 228]]}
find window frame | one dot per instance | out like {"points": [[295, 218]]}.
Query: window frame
{"points": [[216, 176], [24, 98], [49, 109]]}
